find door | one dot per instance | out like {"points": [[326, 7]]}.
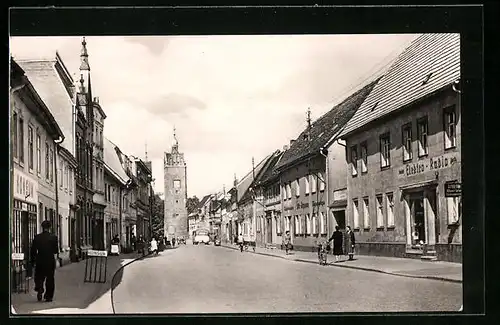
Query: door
{"points": [[417, 213], [269, 230], [108, 235], [339, 219]]}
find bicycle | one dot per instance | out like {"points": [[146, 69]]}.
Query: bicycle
{"points": [[322, 253]]}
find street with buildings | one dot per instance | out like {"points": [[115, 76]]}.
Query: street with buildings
{"points": [[385, 161]]}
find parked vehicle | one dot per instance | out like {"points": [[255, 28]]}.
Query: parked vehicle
{"points": [[201, 237]]}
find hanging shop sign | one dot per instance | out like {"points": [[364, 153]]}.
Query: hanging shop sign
{"points": [[452, 189], [428, 165], [25, 187]]}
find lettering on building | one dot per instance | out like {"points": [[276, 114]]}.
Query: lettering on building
{"points": [[25, 188], [428, 165], [288, 208], [452, 189], [340, 195], [302, 205], [315, 204]]}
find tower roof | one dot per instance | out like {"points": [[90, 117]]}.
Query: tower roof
{"points": [[84, 57]]}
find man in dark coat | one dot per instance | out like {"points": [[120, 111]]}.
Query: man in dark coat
{"points": [[337, 243], [43, 249]]}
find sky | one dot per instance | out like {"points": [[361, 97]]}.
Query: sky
{"points": [[230, 98]]}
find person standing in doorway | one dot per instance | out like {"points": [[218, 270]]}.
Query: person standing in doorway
{"points": [[44, 251], [240, 242], [349, 243], [337, 243], [287, 242]]}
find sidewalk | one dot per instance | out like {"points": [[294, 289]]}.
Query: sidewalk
{"points": [[444, 271], [71, 290]]}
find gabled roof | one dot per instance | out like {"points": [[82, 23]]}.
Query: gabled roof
{"points": [[203, 201], [324, 128], [243, 186], [112, 161], [48, 84], [271, 172], [403, 83]]}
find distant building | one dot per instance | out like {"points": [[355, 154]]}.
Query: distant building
{"points": [[175, 183], [404, 156]]}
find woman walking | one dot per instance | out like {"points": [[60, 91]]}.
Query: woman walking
{"points": [[287, 242], [349, 243], [337, 243]]}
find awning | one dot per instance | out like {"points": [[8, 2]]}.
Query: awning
{"points": [[413, 186]]}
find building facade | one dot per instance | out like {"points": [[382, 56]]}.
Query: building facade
{"points": [[175, 184], [141, 197], [34, 133], [404, 171], [99, 198]]}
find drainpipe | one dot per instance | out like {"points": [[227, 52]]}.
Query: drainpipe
{"points": [[57, 142], [327, 190]]}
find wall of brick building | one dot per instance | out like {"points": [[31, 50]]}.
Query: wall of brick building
{"points": [[381, 181]]}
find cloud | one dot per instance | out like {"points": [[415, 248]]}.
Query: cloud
{"points": [[174, 103], [156, 45]]}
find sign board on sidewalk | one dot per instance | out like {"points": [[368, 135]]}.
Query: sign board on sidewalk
{"points": [[97, 253], [452, 189], [18, 256], [115, 249], [96, 266]]}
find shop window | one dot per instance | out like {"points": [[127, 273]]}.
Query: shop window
{"points": [[390, 210], [407, 140], [385, 150], [422, 137], [380, 211], [321, 179], [297, 187], [308, 187], [450, 126], [354, 161], [30, 148], [366, 213], [453, 207], [355, 213], [364, 157]]}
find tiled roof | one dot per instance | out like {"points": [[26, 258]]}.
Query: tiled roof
{"points": [[243, 186], [46, 80], [270, 171], [203, 201], [324, 128], [112, 161], [402, 84]]}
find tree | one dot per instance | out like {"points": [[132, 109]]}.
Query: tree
{"points": [[192, 204], [157, 221]]}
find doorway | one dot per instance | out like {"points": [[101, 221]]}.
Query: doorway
{"points": [[339, 219], [269, 230], [417, 214]]}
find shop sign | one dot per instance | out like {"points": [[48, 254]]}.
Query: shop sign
{"points": [[340, 195], [96, 253], [452, 189], [25, 187], [301, 205], [288, 209], [315, 204], [428, 165], [17, 256]]}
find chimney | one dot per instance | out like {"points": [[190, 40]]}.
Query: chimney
{"points": [[285, 147]]}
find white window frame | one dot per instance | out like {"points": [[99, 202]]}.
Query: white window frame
{"points": [[354, 160], [355, 213], [308, 188], [314, 183], [314, 224], [38, 153], [308, 224], [453, 209], [380, 210], [297, 225], [363, 148], [322, 223], [366, 213], [423, 136], [321, 182], [407, 136], [385, 150], [289, 190], [297, 187], [450, 126], [390, 209]]}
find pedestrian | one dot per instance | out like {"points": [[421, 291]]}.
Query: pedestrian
{"points": [[140, 245], [240, 242], [153, 246], [173, 241], [115, 245], [44, 251], [287, 241], [133, 240], [337, 243], [349, 243]]}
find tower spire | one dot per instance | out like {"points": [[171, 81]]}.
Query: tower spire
{"points": [[146, 151], [84, 57]]}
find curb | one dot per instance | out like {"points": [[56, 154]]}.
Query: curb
{"points": [[429, 277]]}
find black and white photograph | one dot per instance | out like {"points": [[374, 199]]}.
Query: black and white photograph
{"points": [[228, 174]]}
